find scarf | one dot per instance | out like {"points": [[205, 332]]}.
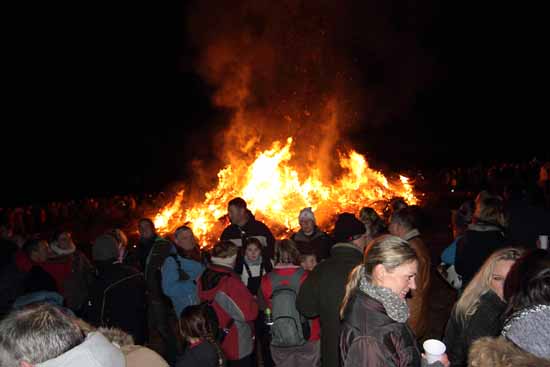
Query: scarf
{"points": [[62, 251], [228, 262], [395, 307], [256, 262]]}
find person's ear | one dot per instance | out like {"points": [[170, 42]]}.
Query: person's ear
{"points": [[378, 273], [25, 364]]}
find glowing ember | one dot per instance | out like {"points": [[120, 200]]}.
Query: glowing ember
{"points": [[275, 192]]}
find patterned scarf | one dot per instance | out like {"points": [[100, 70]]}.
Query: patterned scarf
{"points": [[395, 307]]}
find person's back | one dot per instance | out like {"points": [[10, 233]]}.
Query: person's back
{"points": [[323, 291], [115, 287], [482, 237], [235, 308]]}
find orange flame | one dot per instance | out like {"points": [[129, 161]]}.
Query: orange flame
{"points": [[274, 190]]}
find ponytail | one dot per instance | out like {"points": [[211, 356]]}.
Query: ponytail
{"points": [[354, 279]]}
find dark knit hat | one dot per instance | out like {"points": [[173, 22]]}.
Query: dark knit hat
{"points": [[105, 248], [347, 226]]}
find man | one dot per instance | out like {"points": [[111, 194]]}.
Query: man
{"points": [[403, 224], [244, 225], [323, 291], [311, 234], [114, 288], [160, 313], [57, 342]]}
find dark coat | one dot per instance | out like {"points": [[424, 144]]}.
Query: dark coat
{"points": [[419, 304], [486, 321], [117, 299], [369, 337], [204, 354], [320, 242], [322, 293], [478, 243], [252, 228]]}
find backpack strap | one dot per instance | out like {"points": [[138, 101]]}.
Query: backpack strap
{"points": [[182, 273], [247, 268]]}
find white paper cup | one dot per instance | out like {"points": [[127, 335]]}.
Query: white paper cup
{"points": [[433, 350], [543, 239]]}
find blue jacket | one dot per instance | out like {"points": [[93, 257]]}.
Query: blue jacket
{"points": [[449, 254], [182, 293]]}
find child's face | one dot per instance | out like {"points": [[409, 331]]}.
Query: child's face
{"points": [[252, 253], [309, 262]]}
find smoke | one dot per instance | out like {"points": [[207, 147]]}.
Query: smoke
{"points": [[316, 70]]}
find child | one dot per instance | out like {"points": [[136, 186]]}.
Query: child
{"points": [[252, 265], [295, 340], [202, 350], [308, 260]]}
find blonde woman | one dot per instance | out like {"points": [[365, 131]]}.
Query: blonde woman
{"points": [[374, 312], [478, 311]]}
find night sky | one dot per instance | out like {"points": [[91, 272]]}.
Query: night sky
{"points": [[123, 78]]}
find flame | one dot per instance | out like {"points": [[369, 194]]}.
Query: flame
{"points": [[276, 192]]}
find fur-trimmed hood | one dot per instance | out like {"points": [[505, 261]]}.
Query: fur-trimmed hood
{"points": [[499, 352]]}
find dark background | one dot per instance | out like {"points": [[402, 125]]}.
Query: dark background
{"points": [[103, 97]]}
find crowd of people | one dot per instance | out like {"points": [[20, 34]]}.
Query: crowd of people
{"points": [[359, 296]]}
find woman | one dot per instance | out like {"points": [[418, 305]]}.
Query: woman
{"points": [[524, 340], [374, 311], [181, 270], [478, 311]]}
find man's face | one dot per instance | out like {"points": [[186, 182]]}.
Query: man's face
{"points": [[236, 214], [145, 230], [307, 225]]}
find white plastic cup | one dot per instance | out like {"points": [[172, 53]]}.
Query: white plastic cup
{"points": [[433, 350], [543, 239]]}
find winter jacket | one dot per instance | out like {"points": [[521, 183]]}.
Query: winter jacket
{"points": [[486, 321], [182, 292], [203, 354], [320, 241], [323, 291], [117, 299], [252, 228], [160, 250], [420, 302], [500, 352], [94, 351], [478, 243], [369, 337], [236, 304], [267, 293]]}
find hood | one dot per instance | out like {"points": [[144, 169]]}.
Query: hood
{"points": [[95, 351], [529, 329], [499, 352]]}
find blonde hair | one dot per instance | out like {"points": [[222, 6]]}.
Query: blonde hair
{"points": [[481, 282], [390, 251]]}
